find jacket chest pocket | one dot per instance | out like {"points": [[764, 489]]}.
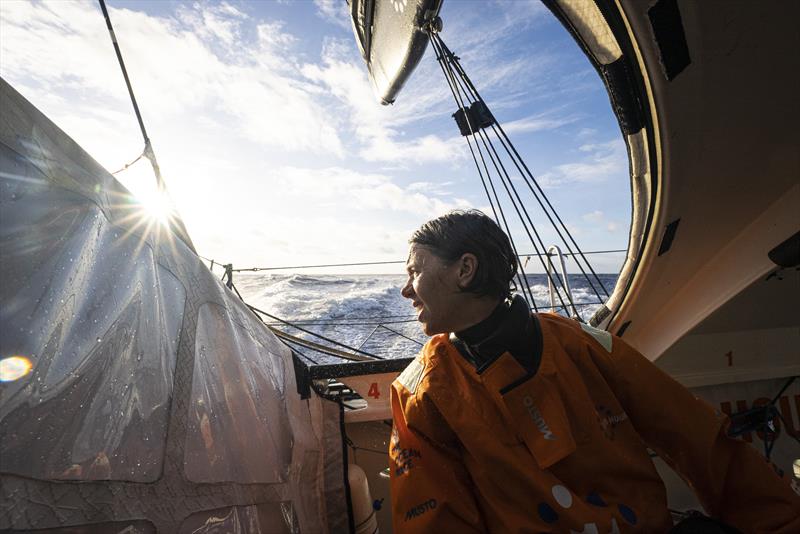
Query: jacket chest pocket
{"points": [[541, 420], [533, 408]]}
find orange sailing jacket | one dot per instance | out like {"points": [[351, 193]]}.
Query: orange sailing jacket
{"points": [[566, 449]]}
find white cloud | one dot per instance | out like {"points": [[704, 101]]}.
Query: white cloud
{"points": [[376, 126], [598, 219], [536, 123], [255, 131], [335, 12], [602, 161], [596, 216], [326, 188], [198, 63]]}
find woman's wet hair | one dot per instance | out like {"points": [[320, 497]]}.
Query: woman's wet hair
{"points": [[461, 231]]}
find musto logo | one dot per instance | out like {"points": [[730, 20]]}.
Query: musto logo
{"points": [[537, 418], [421, 509]]}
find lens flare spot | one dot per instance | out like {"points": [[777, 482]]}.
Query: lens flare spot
{"points": [[14, 368]]}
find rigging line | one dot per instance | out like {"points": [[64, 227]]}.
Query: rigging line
{"points": [[522, 280], [463, 74], [302, 355], [293, 343], [363, 317], [464, 77], [310, 344], [485, 139], [469, 144], [509, 187], [212, 260], [254, 269], [441, 62], [368, 323], [316, 347], [125, 167], [490, 149], [530, 174], [522, 255], [459, 102], [148, 147], [238, 294], [784, 388], [367, 354], [610, 251], [570, 252], [449, 77], [581, 305], [401, 335]]}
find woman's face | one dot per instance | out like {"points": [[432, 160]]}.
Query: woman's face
{"points": [[433, 288]]}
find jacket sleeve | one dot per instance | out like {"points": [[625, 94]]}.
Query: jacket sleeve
{"points": [[431, 489], [732, 480]]}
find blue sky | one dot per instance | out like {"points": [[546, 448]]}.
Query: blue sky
{"points": [[272, 144]]}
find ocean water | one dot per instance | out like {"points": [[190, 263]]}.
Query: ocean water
{"points": [[367, 311]]}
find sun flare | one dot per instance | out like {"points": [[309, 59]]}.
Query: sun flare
{"points": [[157, 207]]}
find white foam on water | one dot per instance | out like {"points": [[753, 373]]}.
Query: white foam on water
{"points": [[358, 303]]}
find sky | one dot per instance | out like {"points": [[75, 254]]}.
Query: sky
{"points": [[276, 151]]}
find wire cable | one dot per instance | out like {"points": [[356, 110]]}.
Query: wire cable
{"points": [[289, 267], [501, 171], [467, 80], [449, 76], [262, 312], [459, 81]]}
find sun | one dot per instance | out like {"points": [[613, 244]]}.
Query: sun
{"points": [[157, 206]]}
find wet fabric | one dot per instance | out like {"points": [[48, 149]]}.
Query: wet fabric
{"points": [[154, 399], [566, 449]]}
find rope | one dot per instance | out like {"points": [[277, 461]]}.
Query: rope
{"points": [[125, 167], [505, 139], [290, 267], [459, 102], [377, 322], [448, 61], [402, 335], [262, 312], [320, 348], [445, 53], [303, 342], [148, 147]]}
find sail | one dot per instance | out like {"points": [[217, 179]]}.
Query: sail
{"points": [[155, 400], [391, 39]]}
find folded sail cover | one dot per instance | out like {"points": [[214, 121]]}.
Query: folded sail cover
{"points": [[391, 38]]}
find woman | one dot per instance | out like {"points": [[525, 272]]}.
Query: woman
{"points": [[516, 422]]}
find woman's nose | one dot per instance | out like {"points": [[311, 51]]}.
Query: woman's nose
{"points": [[407, 290]]}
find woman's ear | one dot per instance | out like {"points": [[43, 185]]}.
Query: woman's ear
{"points": [[467, 267]]}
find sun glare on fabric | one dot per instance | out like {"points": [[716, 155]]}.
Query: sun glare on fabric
{"points": [[14, 368]]}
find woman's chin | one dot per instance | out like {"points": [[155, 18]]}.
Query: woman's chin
{"points": [[431, 329]]}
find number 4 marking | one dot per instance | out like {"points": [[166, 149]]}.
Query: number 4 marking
{"points": [[373, 391]]}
